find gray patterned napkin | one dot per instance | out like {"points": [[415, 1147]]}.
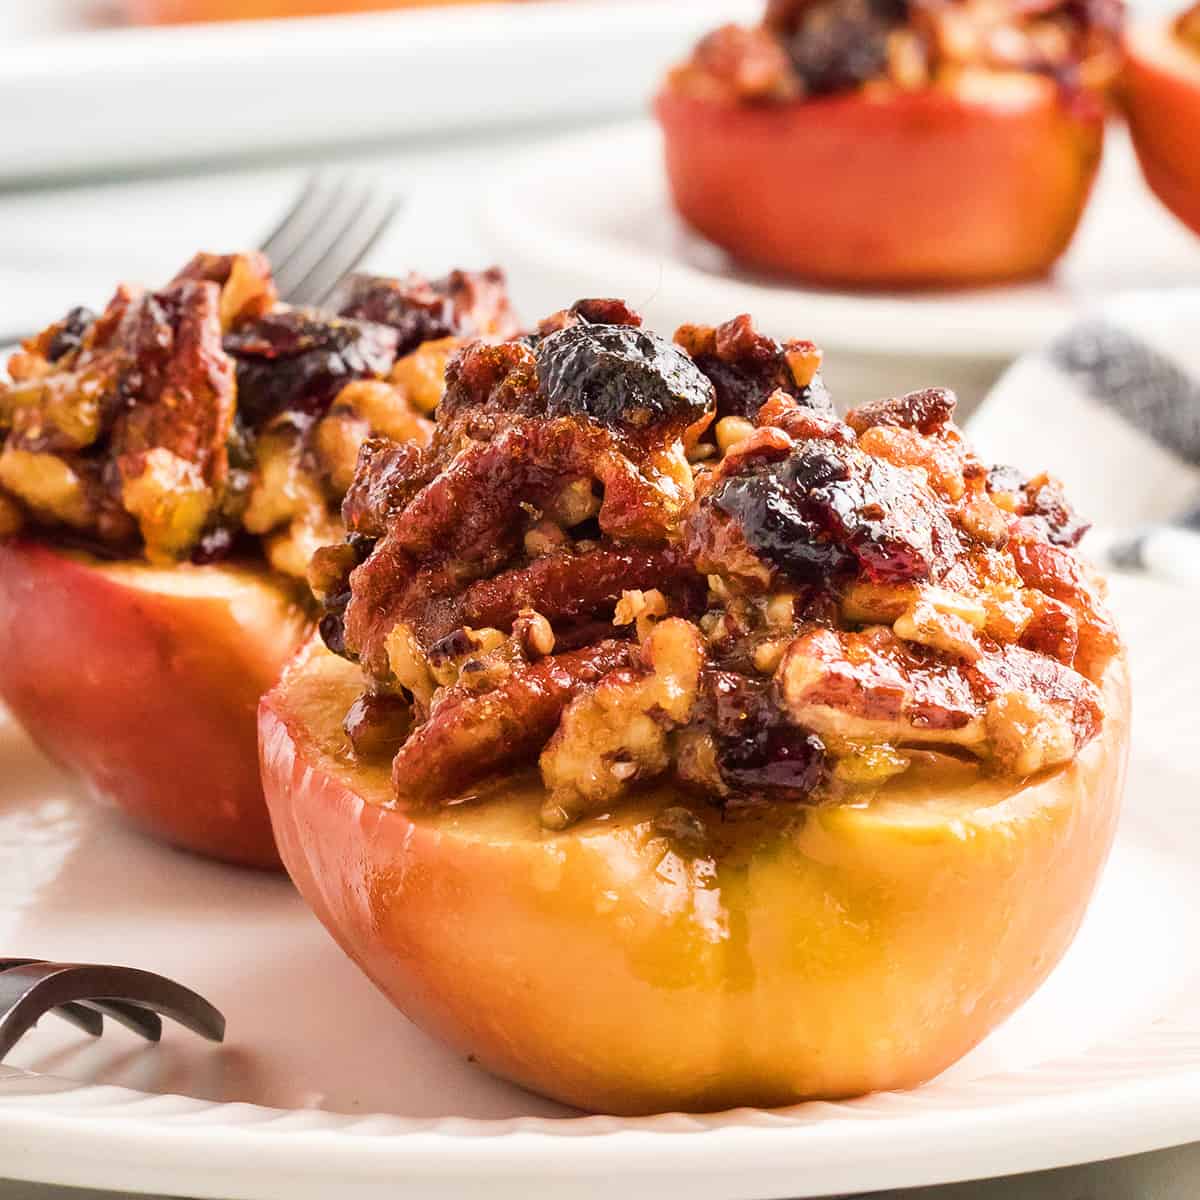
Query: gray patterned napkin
{"points": [[1112, 407]]}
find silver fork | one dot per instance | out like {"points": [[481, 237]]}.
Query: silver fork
{"points": [[85, 994], [330, 227]]}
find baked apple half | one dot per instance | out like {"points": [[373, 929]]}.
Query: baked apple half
{"points": [[883, 143], [166, 470], [1162, 98], [678, 745]]}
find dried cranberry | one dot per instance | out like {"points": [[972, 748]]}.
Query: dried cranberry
{"points": [[461, 304], [1002, 478], [743, 388], [622, 377], [456, 644], [68, 333], [377, 724], [747, 367], [333, 630], [835, 45], [1043, 499], [1048, 502], [758, 750], [214, 545], [293, 361], [781, 760], [827, 508], [417, 313], [776, 528]]}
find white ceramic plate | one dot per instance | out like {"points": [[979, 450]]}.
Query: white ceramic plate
{"points": [[323, 1090], [114, 99], [590, 215]]}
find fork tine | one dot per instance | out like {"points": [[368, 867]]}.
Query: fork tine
{"points": [[274, 244], [359, 202], [157, 992], [316, 236], [298, 244], [83, 1017], [134, 1017], [88, 1014], [323, 286], [306, 234], [354, 224], [26, 992], [18, 1014]]}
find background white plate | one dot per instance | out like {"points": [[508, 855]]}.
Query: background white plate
{"points": [[590, 215], [323, 1090], [115, 99]]}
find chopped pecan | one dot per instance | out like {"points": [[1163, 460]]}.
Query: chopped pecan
{"points": [[596, 311], [749, 62], [1058, 573], [1048, 686], [616, 733], [469, 735], [872, 687], [569, 587], [387, 476], [928, 412], [247, 288]]}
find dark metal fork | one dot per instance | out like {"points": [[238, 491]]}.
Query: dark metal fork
{"points": [[331, 226], [85, 994]]}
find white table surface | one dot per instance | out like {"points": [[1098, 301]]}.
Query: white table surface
{"points": [[70, 245]]}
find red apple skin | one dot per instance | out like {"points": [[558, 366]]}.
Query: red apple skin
{"points": [[145, 682], [936, 187], [1162, 100], [866, 948]]}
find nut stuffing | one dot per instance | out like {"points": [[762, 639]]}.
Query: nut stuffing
{"points": [[554, 581], [207, 418]]}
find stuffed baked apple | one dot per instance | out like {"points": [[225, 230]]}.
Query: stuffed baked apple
{"points": [[676, 744], [1162, 94], [166, 470], [893, 142]]}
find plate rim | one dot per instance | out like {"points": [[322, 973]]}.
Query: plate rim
{"points": [[806, 1151], [1133, 1091], [900, 323]]}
